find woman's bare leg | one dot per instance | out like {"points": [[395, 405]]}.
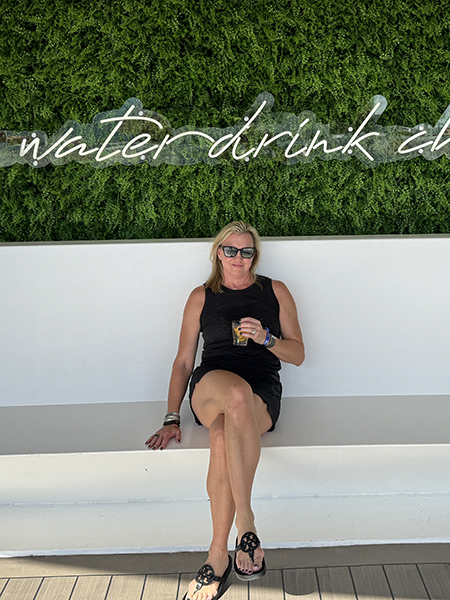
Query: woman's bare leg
{"points": [[218, 486], [222, 508], [245, 419]]}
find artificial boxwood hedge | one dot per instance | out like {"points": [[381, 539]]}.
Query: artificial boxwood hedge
{"points": [[203, 64]]}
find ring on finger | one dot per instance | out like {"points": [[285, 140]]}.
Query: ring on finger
{"points": [[253, 331]]}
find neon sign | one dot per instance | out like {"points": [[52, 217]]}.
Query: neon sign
{"points": [[133, 135]]}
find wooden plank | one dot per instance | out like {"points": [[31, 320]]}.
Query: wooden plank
{"points": [[371, 583], [185, 580], [56, 587], [335, 583], [437, 580], [269, 587], [238, 590], [405, 582], [300, 583], [126, 586], [23, 589], [90, 587], [161, 587]]}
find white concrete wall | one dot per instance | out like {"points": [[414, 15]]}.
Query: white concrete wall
{"points": [[99, 322]]}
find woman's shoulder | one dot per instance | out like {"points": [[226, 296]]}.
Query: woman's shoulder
{"points": [[276, 285], [197, 295], [195, 302], [281, 290]]}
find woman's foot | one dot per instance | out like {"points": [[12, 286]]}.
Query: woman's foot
{"points": [[221, 565], [249, 558]]}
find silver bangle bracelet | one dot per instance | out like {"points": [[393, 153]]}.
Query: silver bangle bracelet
{"points": [[271, 342], [172, 418]]}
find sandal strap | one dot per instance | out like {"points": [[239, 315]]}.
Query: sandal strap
{"points": [[249, 543], [206, 576]]}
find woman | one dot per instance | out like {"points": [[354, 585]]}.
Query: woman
{"points": [[235, 392]]}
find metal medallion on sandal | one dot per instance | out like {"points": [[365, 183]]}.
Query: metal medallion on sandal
{"points": [[207, 576], [249, 543]]}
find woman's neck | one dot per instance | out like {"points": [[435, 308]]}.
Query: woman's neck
{"points": [[237, 283]]}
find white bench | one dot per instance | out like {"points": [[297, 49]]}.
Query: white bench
{"points": [[361, 453]]}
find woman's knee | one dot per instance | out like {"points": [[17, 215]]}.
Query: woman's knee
{"points": [[239, 401]]}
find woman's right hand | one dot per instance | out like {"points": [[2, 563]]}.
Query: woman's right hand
{"points": [[162, 436]]}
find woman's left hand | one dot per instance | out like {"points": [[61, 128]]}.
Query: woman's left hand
{"points": [[253, 330]]}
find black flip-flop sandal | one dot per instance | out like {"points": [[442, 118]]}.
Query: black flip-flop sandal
{"points": [[249, 543], [206, 576]]}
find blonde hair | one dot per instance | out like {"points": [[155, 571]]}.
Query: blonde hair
{"points": [[216, 278]]}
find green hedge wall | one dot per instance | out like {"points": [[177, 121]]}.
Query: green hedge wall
{"points": [[203, 63]]}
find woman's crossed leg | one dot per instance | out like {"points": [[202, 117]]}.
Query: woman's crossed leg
{"points": [[236, 419]]}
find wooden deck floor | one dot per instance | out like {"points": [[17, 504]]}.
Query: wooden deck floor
{"points": [[303, 574]]}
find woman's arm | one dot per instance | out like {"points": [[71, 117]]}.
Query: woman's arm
{"points": [[290, 347], [187, 348], [182, 366]]}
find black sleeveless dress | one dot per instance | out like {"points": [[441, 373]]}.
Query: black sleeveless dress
{"points": [[254, 363]]}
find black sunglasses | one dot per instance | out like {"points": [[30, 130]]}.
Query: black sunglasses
{"points": [[231, 251]]}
